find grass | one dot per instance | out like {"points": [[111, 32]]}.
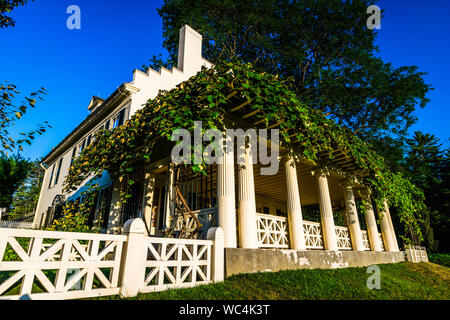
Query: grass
{"points": [[401, 281]]}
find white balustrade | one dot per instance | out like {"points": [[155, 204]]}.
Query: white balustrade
{"points": [[343, 238], [416, 254], [16, 224], [313, 235], [272, 231], [365, 240], [380, 238]]}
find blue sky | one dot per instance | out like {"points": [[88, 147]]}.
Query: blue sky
{"points": [[118, 36]]}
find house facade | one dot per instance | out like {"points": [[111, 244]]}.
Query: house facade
{"points": [[302, 207], [109, 114]]}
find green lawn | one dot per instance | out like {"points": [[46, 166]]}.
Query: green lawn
{"points": [[398, 281]]}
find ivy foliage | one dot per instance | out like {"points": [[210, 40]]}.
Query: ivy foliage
{"points": [[204, 97]]}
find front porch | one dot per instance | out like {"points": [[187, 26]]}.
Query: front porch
{"points": [[300, 208]]}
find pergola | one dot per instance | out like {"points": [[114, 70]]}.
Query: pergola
{"points": [[238, 193]]}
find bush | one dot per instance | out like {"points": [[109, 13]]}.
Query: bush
{"points": [[440, 258]]}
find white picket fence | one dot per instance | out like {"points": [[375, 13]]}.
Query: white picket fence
{"points": [[67, 265], [16, 224]]}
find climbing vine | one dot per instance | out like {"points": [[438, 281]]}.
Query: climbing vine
{"points": [[204, 97]]}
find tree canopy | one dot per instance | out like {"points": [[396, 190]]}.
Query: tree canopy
{"points": [[6, 6], [323, 45], [13, 171]]}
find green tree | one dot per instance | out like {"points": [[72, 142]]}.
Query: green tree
{"points": [[10, 112], [6, 6], [427, 167], [13, 170], [26, 197], [324, 46]]}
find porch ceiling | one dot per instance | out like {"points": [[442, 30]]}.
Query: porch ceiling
{"points": [[274, 186]]}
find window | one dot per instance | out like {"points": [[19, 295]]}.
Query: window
{"points": [[107, 125], [82, 145], [51, 176], [88, 141], [266, 210], [74, 153], [118, 120], [58, 171]]}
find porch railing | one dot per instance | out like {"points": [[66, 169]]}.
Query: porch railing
{"points": [[365, 240], [313, 235], [16, 224], [343, 238], [272, 231], [380, 237]]}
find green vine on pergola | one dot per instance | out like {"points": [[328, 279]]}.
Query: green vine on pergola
{"points": [[204, 97]]}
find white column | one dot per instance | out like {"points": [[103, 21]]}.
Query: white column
{"points": [[248, 237], [386, 230], [169, 201], [226, 203], [295, 220], [326, 212], [391, 226], [371, 222], [352, 218]]}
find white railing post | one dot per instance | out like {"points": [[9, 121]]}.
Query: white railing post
{"points": [[133, 258], [218, 253]]}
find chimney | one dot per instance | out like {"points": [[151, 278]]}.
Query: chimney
{"points": [[189, 50]]}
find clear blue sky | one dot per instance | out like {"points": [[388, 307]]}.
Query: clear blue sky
{"points": [[119, 36]]}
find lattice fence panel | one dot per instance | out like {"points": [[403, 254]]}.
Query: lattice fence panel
{"points": [[343, 238], [176, 263], [313, 235], [58, 265], [272, 231], [365, 240]]}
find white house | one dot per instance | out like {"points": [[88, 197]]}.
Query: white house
{"points": [[254, 211], [110, 113]]}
